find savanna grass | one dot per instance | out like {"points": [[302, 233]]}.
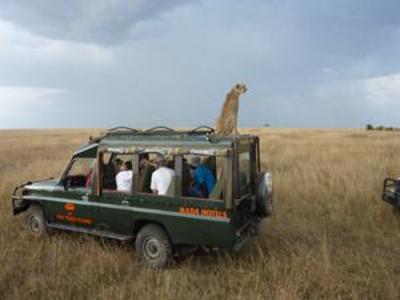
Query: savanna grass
{"points": [[330, 235]]}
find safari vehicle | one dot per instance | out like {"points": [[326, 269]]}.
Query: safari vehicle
{"points": [[85, 199], [391, 192]]}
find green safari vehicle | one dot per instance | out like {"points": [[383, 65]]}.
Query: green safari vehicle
{"points": [[87, 198]]}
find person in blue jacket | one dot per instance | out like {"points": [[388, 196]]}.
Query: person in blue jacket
{"points": [[203, 179]]}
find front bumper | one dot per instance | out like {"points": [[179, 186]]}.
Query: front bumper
{"points": [[392, 198], [18, 203], [391, 192]]}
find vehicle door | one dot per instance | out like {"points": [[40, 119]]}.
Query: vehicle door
{"points": [[111, 207], [71, 203]]}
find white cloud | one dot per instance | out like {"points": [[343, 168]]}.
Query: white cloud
{"points": [[18, 97], [383, 89], [21, 46]]}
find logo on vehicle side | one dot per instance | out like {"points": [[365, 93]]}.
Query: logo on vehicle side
{"points": [[74, 219], [70, 216], [205, 212], [69, 207]]}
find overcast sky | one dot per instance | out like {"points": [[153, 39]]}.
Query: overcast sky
{"points": [[103, 63]]}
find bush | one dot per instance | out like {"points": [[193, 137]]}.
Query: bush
{"points": [[380, 127]]}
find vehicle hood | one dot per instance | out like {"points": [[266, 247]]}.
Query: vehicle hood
{"points": [[47, 185]]}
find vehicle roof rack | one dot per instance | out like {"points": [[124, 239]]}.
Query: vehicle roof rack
{"points": [[118, 129], [160, 128], [122, 128], [198, 130], [203, 129]]}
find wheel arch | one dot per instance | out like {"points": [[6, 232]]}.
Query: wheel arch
{"points": [[39, 203], [140, 223]]}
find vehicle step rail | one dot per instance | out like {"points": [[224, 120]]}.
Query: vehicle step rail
{"points": [[101, 233]]}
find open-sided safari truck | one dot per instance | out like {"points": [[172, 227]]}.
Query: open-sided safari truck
{"points": [[391, 192], [85, 199]]}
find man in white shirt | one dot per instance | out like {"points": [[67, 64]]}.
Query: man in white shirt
{"points": [[124, 177], [162, 179]]}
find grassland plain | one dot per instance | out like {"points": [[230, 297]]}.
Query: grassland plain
{"points": [[330, 236]]}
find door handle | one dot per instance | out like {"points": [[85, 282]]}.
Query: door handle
{"points": [[125, 202]]}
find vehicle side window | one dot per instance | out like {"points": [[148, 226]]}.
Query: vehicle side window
{"points": [[199, 176], [81, 173], [156, 175], [146, 169], [117, 172]]}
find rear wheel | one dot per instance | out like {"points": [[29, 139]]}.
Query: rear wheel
{"points": [[154, 247], [35, 221]]}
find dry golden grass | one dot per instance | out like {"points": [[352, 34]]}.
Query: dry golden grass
{"points": [[330, 236]]}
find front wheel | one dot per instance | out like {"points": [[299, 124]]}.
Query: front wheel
{"points": [[35, 221], [154, 247]]}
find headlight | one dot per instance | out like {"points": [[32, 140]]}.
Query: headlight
{"points": [[268, 181]]}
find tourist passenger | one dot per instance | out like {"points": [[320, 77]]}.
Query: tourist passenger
{"points": [[124, 177], [203, 179], [162, 179], [111, 170], [117, 164], [146, 168]]}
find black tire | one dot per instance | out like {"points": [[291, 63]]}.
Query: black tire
{"points": [[35, 221], [153, 247], [264, 201]]}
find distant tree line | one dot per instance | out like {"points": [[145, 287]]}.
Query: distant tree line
{"points": [[380, 127]]}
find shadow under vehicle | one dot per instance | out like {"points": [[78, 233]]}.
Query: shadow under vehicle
{"points": [[85, 198]]}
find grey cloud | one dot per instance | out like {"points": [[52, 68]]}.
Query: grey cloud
{"points": [[344, 12], [97, 21], [303, 63]]}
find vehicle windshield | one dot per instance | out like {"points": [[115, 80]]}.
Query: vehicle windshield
{"points": [[80, 173]]}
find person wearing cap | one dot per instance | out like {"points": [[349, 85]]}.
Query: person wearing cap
{"points": [[203, 179], [162, 179]]}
